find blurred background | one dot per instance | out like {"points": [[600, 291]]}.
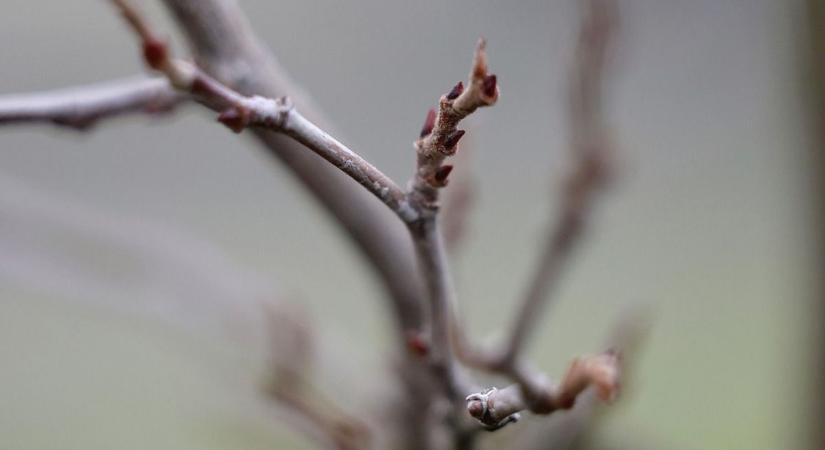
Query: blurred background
{"points": [[131, 256]]}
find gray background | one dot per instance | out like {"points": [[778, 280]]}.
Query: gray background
{"points": [[709, 220]]}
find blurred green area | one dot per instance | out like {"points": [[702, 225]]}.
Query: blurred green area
{"points": [[709, 224]]}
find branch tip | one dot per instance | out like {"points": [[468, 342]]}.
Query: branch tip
{"points": [[480, 60]]}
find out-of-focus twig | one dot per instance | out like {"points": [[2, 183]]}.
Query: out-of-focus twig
{"points": [[590, 150], [458, 202], [289, 384], [82, 107]]}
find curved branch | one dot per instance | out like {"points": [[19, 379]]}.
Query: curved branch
{"points": [[225, 46]]}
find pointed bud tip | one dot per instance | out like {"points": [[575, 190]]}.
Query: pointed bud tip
{"points": [[442, 173], [429, 123], [455, 91]]}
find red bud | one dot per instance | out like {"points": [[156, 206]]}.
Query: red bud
{"points": [[442, 173], [234, 119], [154, 52], [455, 91], [488, 86], [429, 123], [453, 138]]}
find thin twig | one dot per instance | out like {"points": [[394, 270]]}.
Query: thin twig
{"points": [[438, 140], [239, 112], [224, 45], [440, 135], [590, 150], [82, 107], [494, 408]]}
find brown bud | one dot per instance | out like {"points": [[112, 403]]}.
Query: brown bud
{"points": [[154, 52], [453, 138], [442, 173], [455, 91], [429, 123], [488, 86], [235, 119]]}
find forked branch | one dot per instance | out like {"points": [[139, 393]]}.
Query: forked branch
{"points": [[239, 112], [590, 150]]}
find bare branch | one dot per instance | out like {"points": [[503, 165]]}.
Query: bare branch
{"points": [[438, 140], [440, 135], [495, 408], [590, 150], [628, 336], [239, 112], [82, 107], [225, 46], [289, 385]]}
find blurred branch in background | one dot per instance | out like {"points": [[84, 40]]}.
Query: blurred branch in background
{"points": [[234, 76], [82, 107]]}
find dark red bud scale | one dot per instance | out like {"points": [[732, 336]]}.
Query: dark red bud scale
{"points": [[154, 52], [455, 91], [442, 173], [234, 119], [453, 138], [488, 86], [429, 123]]}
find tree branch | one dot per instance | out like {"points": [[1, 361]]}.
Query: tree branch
{"points": [[225, 46], [239, 112], [82, 107], [590, 150], [438, 140], [495, 408]]}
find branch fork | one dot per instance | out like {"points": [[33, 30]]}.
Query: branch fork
{"points": [[417, 207]]}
